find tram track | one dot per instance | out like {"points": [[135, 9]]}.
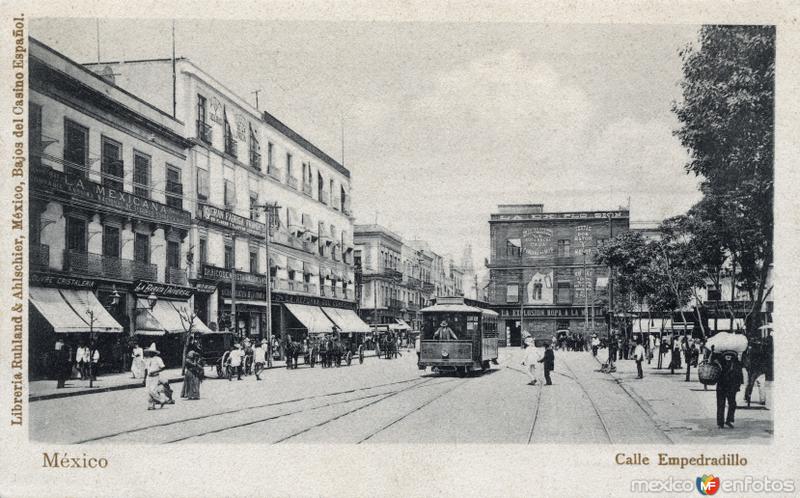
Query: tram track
{"points": [[591, 401], [247, 408]]}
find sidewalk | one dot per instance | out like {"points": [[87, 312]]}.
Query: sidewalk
{"points": [[686, 411], [40, 390]]}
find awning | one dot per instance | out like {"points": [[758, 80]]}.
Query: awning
{"points": [[296, 265], [293, 221], [312, 318], [167, 317], [351, 277], [403, 324], [277, 261], [324, 272], [310, 269], [645, 325], [309, 226], [725, 324], [323, 231], [347, 320], [66, 311]]}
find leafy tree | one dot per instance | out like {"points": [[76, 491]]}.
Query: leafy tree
{"points": [[727, 125]]}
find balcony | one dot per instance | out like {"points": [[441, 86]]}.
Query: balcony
{"points": [[309, 246], [327, 291], [413, 282], [39, 255], [323, 197], [274, 171], [177, 276], [255, 159], [292, 182], [98, 265], [428, 287], [307, 189], [204, 132], [396, 304], [231, 147], [412, 306], [311, 288], [279, 284]]}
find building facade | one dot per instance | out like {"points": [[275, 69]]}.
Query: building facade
{"points": [[241, 160], [542, 269], [110, 232]]}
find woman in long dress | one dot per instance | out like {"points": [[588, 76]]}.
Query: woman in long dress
{"points": [[191, 377], [137, 363]]}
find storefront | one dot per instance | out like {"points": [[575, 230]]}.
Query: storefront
{"points": [[73, 313], [247, 296], [164, 315]]}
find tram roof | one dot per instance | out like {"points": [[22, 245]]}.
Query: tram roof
{"points": [[457, 308]]}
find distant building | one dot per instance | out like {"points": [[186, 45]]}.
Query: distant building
{"points": [[543, 263]]}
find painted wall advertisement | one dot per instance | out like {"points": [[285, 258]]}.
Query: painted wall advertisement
{"points": [[537, 242], [540, 288]]}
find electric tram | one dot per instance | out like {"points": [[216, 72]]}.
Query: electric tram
{"points": [[457, 337]]}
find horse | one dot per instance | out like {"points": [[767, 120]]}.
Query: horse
{"points": [[756, 362], [292, 351]]}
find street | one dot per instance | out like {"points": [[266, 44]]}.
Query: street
{"points": [[391, 401]]}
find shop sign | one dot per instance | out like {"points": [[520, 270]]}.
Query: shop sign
{"points": [[561, 216], [205, 288], [230, 220], [162, 290], [278, 297], [245, 294], [46, 280], [217, 274], [542, 312], [49, 181]]}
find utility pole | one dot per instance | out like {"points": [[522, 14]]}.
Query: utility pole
{"points": [[585, 291], [269, 212], [256, 92], [97, 25], [174, 76], [521, 311], [610, 280], [234, 321]]}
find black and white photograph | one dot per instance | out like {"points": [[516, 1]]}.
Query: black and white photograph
{"points": [[401, 235]]}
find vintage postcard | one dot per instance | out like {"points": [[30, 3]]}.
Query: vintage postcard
{"points": [[311, 249]]}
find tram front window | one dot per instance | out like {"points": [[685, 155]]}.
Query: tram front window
{"points": [[446, 327]]}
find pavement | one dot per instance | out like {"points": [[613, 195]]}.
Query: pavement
{"points": [[40, 390], [686, 411]]}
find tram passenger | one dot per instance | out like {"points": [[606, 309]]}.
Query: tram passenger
{"points": [[445, 333]]}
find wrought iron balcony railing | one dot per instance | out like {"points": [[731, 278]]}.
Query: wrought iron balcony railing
{"points": [[91, 264]]}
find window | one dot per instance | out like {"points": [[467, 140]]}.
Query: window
{"points": [[254, 206], [230, 194], [288, 165], [514, 247], [203, 250], [174, 187], [229, 256], [111, 241], [173, 254], [202, 184], [141, 248], [512, 293], [253, 261], [320, 188], [331, 192], [270, 161], [35, 130], [343, 199], [255, 150], [111, 164], [76, 235], [141, 174], [76, 148], [563, 296], [203, 128], [230, 142], [563, 248]]}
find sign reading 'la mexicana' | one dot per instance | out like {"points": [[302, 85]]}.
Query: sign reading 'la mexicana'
{"points": [[48, 180]]}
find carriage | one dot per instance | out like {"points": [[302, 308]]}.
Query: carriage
{"points": [[214, 347], [457, 337]]}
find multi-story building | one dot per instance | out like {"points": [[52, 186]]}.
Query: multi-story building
{"points": [[380, 252], [241, 160], [109, 226], [541, 269]]}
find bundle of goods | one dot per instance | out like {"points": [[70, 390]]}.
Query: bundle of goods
{"points": [[725, 341]]}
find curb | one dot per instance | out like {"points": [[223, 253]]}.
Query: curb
{"points": [[130, 385]]}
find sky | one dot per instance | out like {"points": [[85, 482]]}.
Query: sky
{"points": [[444, 121]]}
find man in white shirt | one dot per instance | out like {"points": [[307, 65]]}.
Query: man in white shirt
{"points": [[259, 358], [235, 358], [638, 356], [80, 355], [595, 344], [530, 359]]}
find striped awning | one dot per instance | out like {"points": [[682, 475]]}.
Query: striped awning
{"points": [[72, 311], [295, 264], [310, 269], [278, 261]]}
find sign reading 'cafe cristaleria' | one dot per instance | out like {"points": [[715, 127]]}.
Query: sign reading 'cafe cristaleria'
{"points": [[80, 189]]}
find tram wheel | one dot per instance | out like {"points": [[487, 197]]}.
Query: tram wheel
{"points": [[485, 365], [462, 372]]}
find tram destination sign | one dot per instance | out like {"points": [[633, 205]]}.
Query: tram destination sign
{"points": [[230, 220], [80, 189]]}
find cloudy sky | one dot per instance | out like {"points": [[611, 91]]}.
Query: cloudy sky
{"points": [[443, 121]]}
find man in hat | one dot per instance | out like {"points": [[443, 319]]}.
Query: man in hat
{"points": [[444, 333], [595, 344], [729, 383], [158, 390], [235, 358], [549, 362], [259, 358]]}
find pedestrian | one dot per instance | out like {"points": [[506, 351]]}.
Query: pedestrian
{"points": [[95, 360], [651, 343], [612, 352], [158, 390], [259, 358], [595, 344], [417, 344], [80, 359], [729, 383], [638, 356], [192, 376], [137, 362], [530, 359], [549, 361], [235, 359], [62, 367]]}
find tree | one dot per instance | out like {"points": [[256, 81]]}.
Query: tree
{"points": [[188, 318], [727, 125]]}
